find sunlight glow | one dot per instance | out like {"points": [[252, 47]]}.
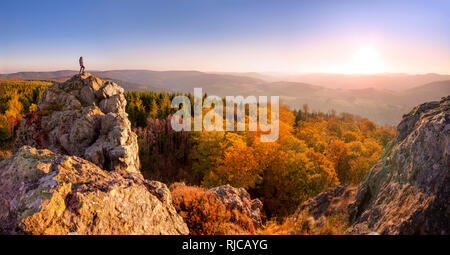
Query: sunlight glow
{"points": [[366, 60]]}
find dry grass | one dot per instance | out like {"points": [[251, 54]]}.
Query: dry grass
{"points": [[205, 214], [304, 224], [4, 154]]}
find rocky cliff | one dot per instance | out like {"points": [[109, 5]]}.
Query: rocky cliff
{"points": [[76, 169], [85, 117], [408, 189]]}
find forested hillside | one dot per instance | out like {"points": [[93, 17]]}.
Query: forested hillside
{"points": [[315, 151], [17, 97]]}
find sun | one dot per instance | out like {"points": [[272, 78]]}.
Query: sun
{"points": [[366, 60]]}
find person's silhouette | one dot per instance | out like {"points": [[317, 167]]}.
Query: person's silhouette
{"points": [[81, 65]]}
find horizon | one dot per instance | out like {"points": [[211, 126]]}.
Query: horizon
{"points": [[269, 73], [351, 37]]}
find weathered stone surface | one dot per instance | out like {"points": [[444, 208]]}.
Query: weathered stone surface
{"points": [[46, 193], [85, 117], [109, 89], [56, 99], [408, 189], [239, 199], [113, 104], [331, 202]]}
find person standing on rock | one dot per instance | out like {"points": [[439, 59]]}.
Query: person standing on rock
{"points": [[81, 65]]}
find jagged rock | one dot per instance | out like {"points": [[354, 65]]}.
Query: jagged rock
{"points": [[113, 104], [85, 117], [108, 90], [56, 99], [46, 193], [408, 189], [239, 199]]}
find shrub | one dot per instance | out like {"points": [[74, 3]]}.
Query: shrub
{"points": [[53, 108], [5, 135], [203, 213], [4, 154], [241, 224]]}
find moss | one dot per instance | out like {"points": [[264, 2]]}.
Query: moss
{"points": [[28, 212], [70, 89], [34, 202], [52, 108], [44, 208]]}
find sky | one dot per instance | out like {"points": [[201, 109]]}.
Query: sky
{"points": [[335, 36]]}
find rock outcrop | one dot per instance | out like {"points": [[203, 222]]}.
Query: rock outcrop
{"points": [[239, 199], [85, 117], [408, 189], [46, 193], [76, 169]]}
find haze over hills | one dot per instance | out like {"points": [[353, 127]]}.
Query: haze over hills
{"points": [[389, 81], [55, 75], [395, 82], [382, 98]]}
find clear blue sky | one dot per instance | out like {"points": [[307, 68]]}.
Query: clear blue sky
{"points": [[227, 35]]}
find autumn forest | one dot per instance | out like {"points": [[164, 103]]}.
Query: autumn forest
{"points": [[315, 151]]}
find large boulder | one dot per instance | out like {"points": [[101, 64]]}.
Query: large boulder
{"points": [[85, 117], [408, 189], [46, 193], [239, 199]]}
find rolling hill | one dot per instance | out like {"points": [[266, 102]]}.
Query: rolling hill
{"points": [[379, 103]]}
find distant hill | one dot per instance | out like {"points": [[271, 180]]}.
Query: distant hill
{"points": [[395, 82], [56, 75], [131, 86], [381, 103], [428, 92], [183, 81]]}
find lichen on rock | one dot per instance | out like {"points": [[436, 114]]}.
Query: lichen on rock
{"points": [[46, 193]]}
